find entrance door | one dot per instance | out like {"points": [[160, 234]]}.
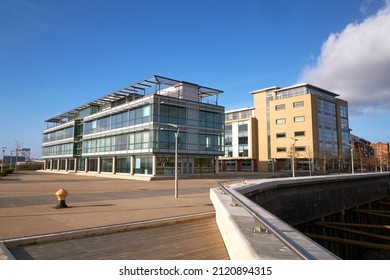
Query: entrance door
{"points": [[188, 165]]}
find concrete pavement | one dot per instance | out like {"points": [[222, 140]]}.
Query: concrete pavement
{"points": [[96, 204], [27, 201]]}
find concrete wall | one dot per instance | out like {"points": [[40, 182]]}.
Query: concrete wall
{"points": [[287, 202], [305, 199], [245, 237]]}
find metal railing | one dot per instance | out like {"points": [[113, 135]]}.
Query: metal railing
{"points": [[286, 240]]}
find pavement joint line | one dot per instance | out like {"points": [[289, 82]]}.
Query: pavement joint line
{"points": [[101, 230]]}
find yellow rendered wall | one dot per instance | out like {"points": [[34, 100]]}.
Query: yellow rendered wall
{"points": [[290, 127], [259, 101]]}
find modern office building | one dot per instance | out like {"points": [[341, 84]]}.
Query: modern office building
{"points": [[381, 155], [132, 131], [240, 141], [304, 121]]}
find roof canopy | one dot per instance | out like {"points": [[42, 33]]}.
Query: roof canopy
{"points": [[144, 87]]}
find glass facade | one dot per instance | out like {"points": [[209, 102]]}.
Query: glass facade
{"points": [[127, 118], [123, 164], [228, 140], [243, 149], [327, 128], [210, 120], [61, 134], [58, 150], [138, 138], [106, 165], [238, 141], [344, 128], [173, 114], [143, 165]]}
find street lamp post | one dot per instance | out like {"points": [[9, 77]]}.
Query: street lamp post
{"points": [[10, 161], [176, 159], [352, 146], [293, 156], [2, 164]]}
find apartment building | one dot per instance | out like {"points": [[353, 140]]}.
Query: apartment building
{"points": [[132, 131], [381, 155], [240, 141], [304, 121]]}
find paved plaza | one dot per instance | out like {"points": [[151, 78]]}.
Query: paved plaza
{"points": [[27, 208], [27, 201]]}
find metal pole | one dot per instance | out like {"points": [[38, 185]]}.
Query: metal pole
{"points": [[2, 163], [293, 160], [176, 179], [293, 156], [10, 161], [353, 169]]}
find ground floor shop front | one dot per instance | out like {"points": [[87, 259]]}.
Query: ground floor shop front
{"points": [[147, 165]]}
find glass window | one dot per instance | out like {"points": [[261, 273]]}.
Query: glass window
{"points": [[228, 141], [119, 120], [119, 143], [298, 104], [243, 128], [280, 121], [90, 127], [209, 142], [344, 112], [300, 149], [246, 165], [299, 133], [93, 164], [59, 135], [132, 117], [228, 129], [327, 128], [173, 114], [103, 124], [204, 165], [299, 119], [106, 165], [80, 164], [58, 150], [230, 165], [243, 150], [281, 149], [210, 120], [280, 107], [243, 140], [229, 151], [123, 165], [143, 165], [281, 135], [145, 140]]}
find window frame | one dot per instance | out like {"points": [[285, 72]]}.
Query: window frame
{"points": [[299, 119]]}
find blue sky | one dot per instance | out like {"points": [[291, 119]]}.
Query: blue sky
{"points": [[56, 55]]}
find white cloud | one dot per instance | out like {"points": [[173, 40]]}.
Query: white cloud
{"points": [[355, 63]]}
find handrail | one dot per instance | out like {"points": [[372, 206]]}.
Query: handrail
{"points": [[291, 244]]}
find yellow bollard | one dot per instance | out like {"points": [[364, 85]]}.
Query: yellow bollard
{"points": [[61, 195]]}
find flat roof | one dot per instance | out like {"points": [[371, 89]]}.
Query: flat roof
{"points": [[264, 89], [307, 85], [278, 89], [135, 90], [239, 110]]}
